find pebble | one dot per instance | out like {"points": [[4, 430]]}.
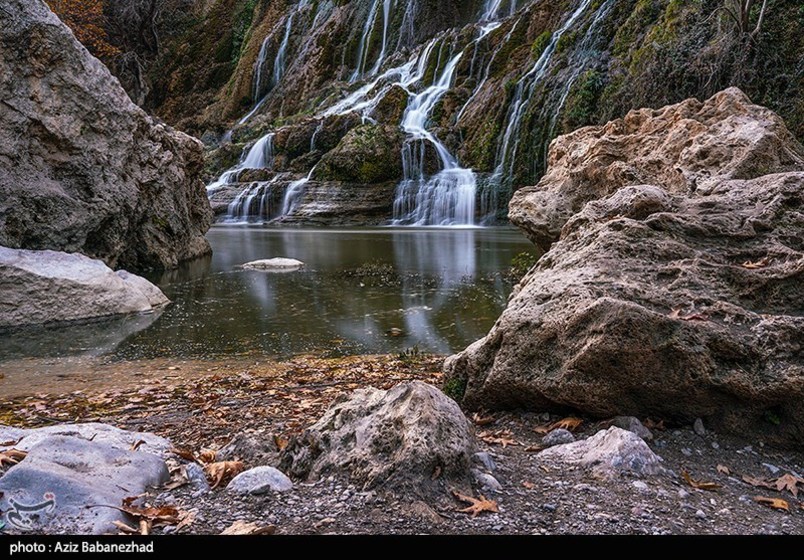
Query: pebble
{"points": [[549, 507], [683, 494], [484, 459], [715, 445], [686, 451], [639, 485], [772, 468], [558, 436], [698, 427], [700, 514]]}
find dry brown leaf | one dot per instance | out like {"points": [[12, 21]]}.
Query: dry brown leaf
{"points": [[126, 528], [529, 485], [11, 457], [500, 437], [481, 420], [652, 424], [699, 485], [789, 482], [758, 482], [281, 442], [676, 314], [534, 449], [222, 471], [571, 423], [207, 456], [762, 263], [185, 454], [477, 505], [723, 469], [137, 444], [186, 520], [245, 528], [163, 515], [775, 503]]}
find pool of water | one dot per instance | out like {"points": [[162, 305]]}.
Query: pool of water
{"points": [[361, 291]]}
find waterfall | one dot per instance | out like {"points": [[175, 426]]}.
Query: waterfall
{"points": [[242, 208], [259, 156], [365, 39], [448, 197], [279, 60], [294, 193], [506, 153]]}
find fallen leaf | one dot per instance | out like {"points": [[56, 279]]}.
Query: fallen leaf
{"points": [[245, 528], [126, 528], [185, 454], [758, 482], [571, 423], [163, 515], [137, 444], [699, 485], [723, 469], [529, 485], [500, 437], [789, 482], [281, 442], [651, 424], [775, 503], [224, 470], [477, 506], [762, 263], [676, 314], [481, 420], [10, 443], [207, 456], [534, 449], [12, 457], [186, 521]]}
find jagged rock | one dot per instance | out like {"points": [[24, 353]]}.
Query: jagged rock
{"points": [[38, 287], [680, 148], [253, 450], [608, 452], [67, 482], [260, 480], [368, 154], [83, 169], [633, 425], [558, 436], [278, 264], [411, 437], [656, 313]]}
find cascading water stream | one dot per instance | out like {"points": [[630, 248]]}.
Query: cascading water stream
{"points": [[294, 193], [506, 153], [259, 156], [365, 40]]}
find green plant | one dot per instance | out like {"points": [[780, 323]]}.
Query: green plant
{"points": [[455, 388], [522, 263], [412, 355]]}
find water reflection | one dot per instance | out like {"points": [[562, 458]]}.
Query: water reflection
{"points": [[438, 289]]}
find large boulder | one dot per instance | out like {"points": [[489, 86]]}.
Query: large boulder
{"points": [[655, 304], [72, 484], [38, 287], [411, 437], [368, 154], [83, 169], [679, 148]]}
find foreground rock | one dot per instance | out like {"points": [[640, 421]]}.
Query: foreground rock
{"points": [[84, 169], [260, 480], [38, 287], [658, 304], [279, 264], [25, 439], [678, 148], [608, 452], [411, 437], [67, 483]]}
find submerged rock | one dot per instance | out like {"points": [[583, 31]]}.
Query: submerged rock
{"points": [[84, 169], [611, 451], [411, 437], [38, 287], [660, 301], [260, 480], [70, 484], [278, 264]]}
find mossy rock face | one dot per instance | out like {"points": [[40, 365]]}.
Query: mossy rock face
{"points": [[224, 157], [392, 107], [255, 175], [367, 154]]}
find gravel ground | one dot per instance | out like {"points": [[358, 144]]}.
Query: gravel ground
{"points": [[211, 402]]}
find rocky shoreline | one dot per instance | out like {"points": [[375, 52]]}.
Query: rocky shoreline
{"points": [[536, 492]]}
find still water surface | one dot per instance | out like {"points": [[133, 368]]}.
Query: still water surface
{"points": [[362, 291]]}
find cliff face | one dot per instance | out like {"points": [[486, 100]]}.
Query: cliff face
{"points": [[83, 169]]}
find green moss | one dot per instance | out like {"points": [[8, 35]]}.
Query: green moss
{"points": [[583, 99], [566, 41], [455, 388], [538, 46]]}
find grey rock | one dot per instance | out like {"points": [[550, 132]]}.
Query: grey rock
{"points": [[632, 424], [686, 451], [85, 170], [773, 469], [260, 480], [485, 460], [197, 477], [698, 427], [700, 514], [71, 480], [549, 507], [114, 437], [640, 485], [486, 481], [252, 449], [608, 452], [278, 264], [404, 436], [38, 287], [683, 494], [558, 437]]}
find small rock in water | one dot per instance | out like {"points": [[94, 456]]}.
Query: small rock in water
{"points": [[558, 436], [279, 264], [698, 427]]}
